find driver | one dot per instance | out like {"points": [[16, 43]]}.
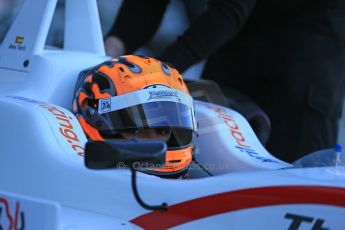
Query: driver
{"points": [[137, 97]]}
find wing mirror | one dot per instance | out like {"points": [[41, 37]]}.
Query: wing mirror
{"points": [[114, 154]]}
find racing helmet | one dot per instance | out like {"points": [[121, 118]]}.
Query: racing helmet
{"points": [[131, 93]]}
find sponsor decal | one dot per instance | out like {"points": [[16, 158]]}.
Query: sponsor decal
{"points": [[18, 44], [241, 141], [250, 152], [9, 220], [66, 128], [62, 125], [163, 94], [297, 221], [105, 105]]}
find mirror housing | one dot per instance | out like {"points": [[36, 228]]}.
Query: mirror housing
{"points": [[114, 154]]}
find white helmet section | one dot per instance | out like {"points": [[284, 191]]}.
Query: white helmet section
{"points": [[227, 143]]}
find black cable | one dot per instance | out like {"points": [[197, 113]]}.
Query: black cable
{"points": [[163, 207], [22, 221]]}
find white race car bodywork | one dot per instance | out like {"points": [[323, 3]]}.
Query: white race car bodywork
{"points": [[45, 185]]}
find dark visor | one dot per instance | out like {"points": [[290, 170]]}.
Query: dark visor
{"points": [[157, 114]]}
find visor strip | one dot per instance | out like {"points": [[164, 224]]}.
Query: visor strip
{"points": [[143, 96]]}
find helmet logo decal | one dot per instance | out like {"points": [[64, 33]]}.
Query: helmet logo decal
{"points": [[163, 94], [106, 105]]}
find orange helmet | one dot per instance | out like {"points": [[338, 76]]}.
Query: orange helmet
{"points": [[131, 93]]}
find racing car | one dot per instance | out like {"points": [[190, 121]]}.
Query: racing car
{"points": [[44, 183]]}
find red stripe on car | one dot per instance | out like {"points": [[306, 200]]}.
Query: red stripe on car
{"points": [[192, 210]]}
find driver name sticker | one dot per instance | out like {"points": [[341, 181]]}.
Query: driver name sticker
{"points": [[18, 44]]}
